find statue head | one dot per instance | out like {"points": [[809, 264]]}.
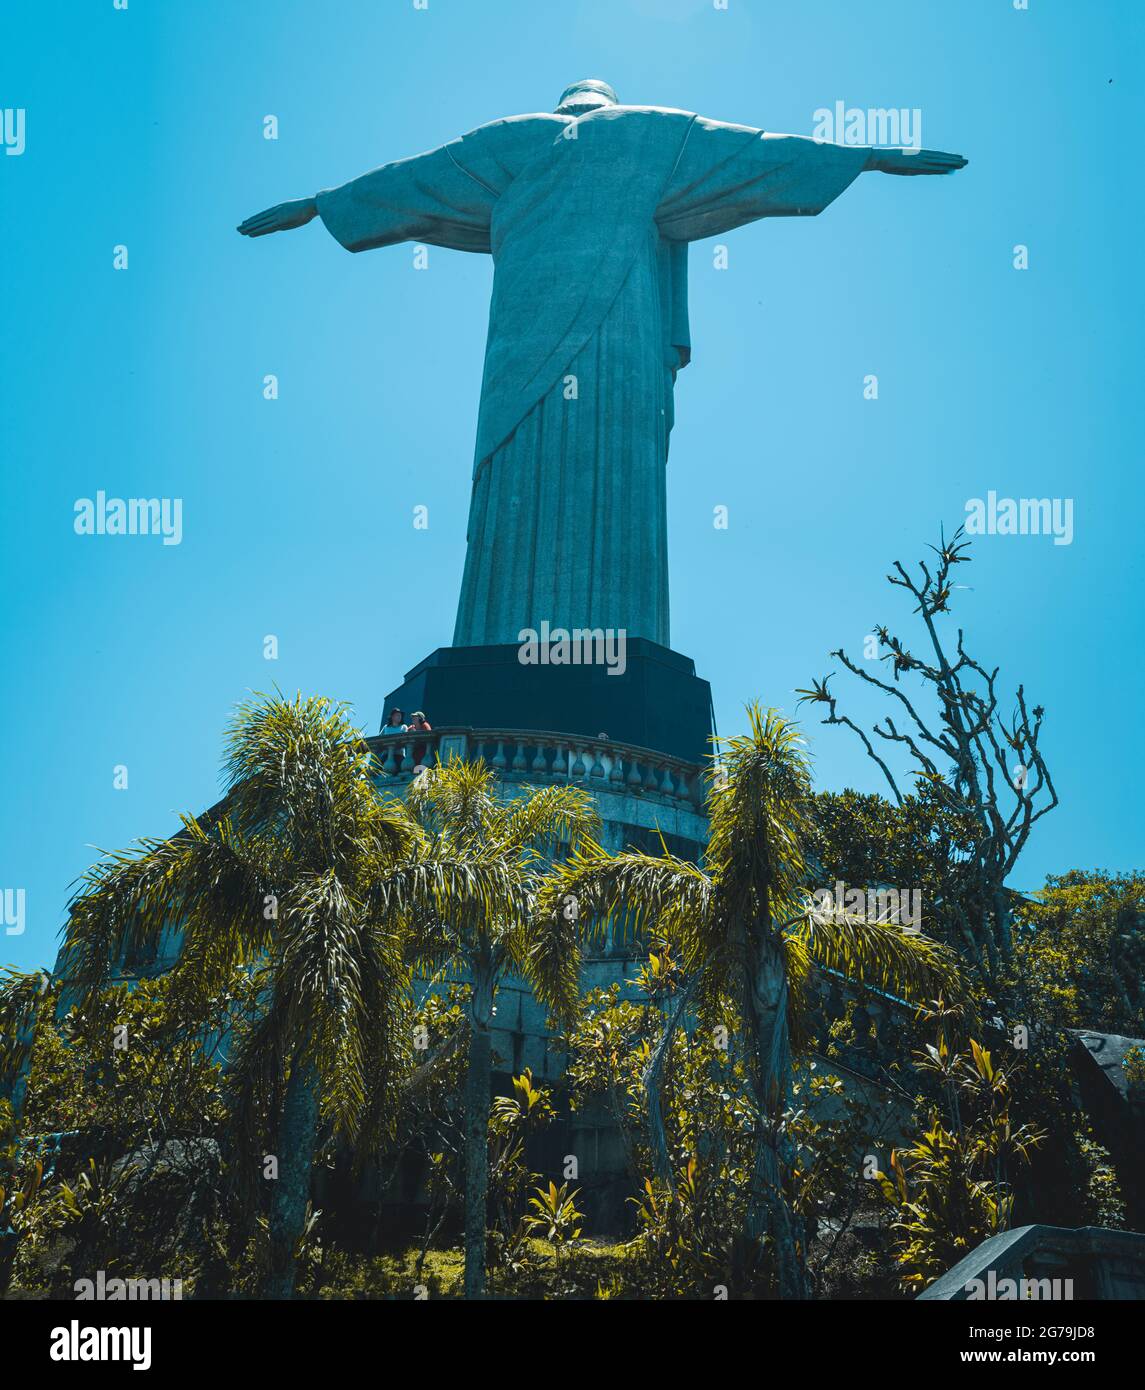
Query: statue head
{"points": [[586, 96]]}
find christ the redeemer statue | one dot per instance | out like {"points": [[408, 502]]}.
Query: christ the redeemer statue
{"points": [[587, 213]]}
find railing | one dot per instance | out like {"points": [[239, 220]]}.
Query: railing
{"points": [[538, 755]]}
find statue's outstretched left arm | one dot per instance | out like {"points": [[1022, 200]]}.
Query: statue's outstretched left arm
{"points": [[444, 197], [281, 218], [906, 162]]}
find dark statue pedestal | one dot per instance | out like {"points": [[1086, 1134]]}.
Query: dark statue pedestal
{"points": [[658, 702]]}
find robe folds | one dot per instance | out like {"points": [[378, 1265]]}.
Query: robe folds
{"points": [[588, 221]]}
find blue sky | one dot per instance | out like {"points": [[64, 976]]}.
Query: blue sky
{"points": [[144, 127]]}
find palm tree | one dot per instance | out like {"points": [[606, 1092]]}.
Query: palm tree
{"points": [[25, 1002], [22, 998], [462, 818], [307, 877], [745, 928]]}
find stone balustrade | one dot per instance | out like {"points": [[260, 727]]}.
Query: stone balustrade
{"points": [[537, 756]]}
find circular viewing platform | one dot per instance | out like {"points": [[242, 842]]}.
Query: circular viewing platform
{"points": [[541, 756]]}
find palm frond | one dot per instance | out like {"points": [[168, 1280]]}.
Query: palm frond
{"points": [[301, 769], [549, 958], [210, 882], [546, 820], [802, 1000], [22, 994], [459, 890], [630, 892], [759, 806], [911, 966], [457, 799], [255, 1080]]}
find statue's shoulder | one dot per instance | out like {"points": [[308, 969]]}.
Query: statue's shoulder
{"points": [[511, 138], [638, 121], [538, 122], [541, 127], [652, 111]]}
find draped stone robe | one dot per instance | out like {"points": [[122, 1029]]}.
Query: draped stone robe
{"points": [[588, 220]]}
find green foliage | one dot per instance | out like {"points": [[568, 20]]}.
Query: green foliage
{"points": [[328, 893], [22, 1180], [22, 999], [553, 1216], [1080, 949], [688, 1234], [119, 1165], [720, 1062], [506, 843], [685, 1233], [409, 1274], [920, 843], [587, 1270], [1104, 1202], [431, 1126], [686, 1227], [951, 1188], [1077, 953], [747, 934], [77, 1227], [513, 1121], [127, 1064], [461, 820], [250, 1265]]}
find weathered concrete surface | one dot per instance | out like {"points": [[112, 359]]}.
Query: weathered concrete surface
{"points": [[1100, 1263], [587, 213], [1106, 1052], [1116, 1109]]}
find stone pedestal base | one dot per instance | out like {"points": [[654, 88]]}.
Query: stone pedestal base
{"points": [[658, 702]]}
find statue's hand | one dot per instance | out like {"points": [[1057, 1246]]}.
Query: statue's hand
{"points": [[280, 218], [906, 162]]}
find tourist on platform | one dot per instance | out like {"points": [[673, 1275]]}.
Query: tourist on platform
{"points": [[419, 724], [394, 754], [394, 724]]}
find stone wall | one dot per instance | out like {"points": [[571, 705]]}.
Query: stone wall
{"points": [[1048, 1263]]}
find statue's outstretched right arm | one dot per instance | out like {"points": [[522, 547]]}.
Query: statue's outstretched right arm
{"points": [[727, 175]]}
